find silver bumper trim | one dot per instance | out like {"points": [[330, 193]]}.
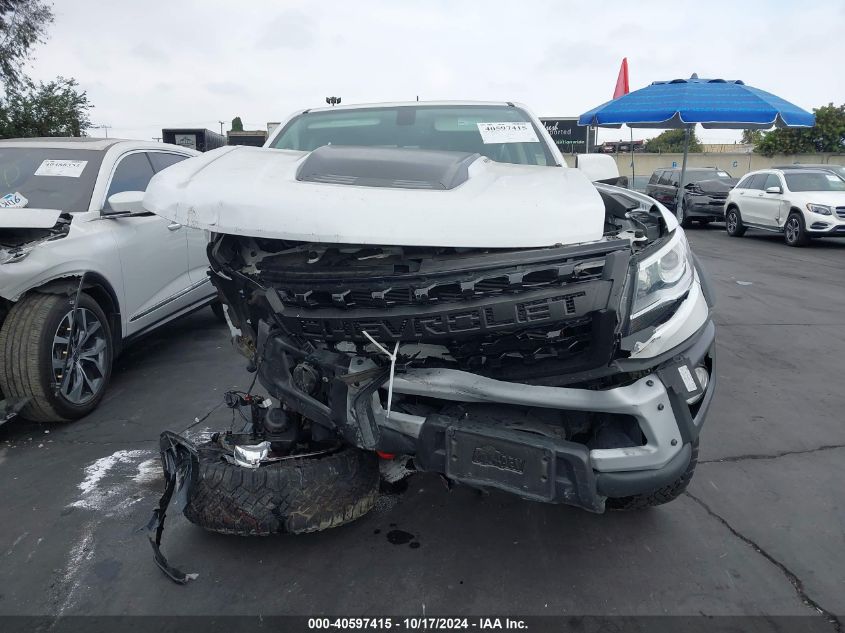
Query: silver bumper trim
{"points": [[646, 400]]}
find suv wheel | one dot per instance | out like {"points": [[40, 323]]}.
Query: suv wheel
{"points": [[794, 232], [733, 223], [35, 345], [683, 219]]}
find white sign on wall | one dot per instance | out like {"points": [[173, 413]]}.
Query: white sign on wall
{"points": [[186, 140]]}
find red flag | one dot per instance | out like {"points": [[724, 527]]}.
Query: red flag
{"points": [[622, 80]]}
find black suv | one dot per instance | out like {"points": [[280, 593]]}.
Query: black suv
{"points": [[706, 190]]}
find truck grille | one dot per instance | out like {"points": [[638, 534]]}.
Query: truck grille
{"points": [[354, 295], [493, 317]]}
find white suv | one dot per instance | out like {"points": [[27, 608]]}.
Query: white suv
{"points": [[800, 204], [81, 272]]}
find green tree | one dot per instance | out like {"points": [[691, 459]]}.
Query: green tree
{"points": [[672, 141], [23, 23], [827, 135], [55, 108], [752, 137], [237, 124]]}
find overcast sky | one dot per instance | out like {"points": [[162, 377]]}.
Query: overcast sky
{"points": [[168, 63]]}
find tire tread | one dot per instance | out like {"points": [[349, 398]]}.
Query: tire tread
{"points": [[292, 496], [23, 343], [661, 495]]}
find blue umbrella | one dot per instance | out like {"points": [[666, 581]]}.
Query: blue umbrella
{"points": [[711, 103]]}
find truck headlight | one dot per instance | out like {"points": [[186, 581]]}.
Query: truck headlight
{"points": [[663, 277], [821, 209]]}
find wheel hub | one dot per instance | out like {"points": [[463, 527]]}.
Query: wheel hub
{"points": [[79, 356]]}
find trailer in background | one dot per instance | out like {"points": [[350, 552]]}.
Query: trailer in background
{"points": [[271, 127], [196, 138], [255, 138]]}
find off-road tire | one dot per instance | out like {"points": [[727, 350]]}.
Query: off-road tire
{"points": [[660, 496], [26, 343], [800, 237], [734, 228], [293, 496]]}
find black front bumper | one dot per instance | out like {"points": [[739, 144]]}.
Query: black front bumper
{"points": [[705, 207]]}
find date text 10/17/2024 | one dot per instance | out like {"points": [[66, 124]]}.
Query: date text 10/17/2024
{"points": [[418, 624]]}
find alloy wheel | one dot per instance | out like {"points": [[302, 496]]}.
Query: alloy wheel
{"points": [[731, 222], [792, 230], [80, 356]]}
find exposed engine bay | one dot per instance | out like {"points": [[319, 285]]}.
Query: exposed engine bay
{"points": [[16, 242]]}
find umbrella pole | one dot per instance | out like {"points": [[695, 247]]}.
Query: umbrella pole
{"points": [[632, 159], [683, 170]]}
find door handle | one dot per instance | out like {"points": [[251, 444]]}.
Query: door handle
{"points": [[174, 226]]}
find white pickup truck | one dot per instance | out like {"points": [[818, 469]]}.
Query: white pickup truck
{"points": [[427, 286]]}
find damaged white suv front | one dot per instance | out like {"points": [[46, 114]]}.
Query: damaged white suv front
{"points": [[431, 284]]}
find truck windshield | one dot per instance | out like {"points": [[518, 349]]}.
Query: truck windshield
{"points": [[814, 181], [47, 178], [502, 133]]}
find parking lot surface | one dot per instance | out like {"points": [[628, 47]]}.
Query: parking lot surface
{"points": [[760, 530]]}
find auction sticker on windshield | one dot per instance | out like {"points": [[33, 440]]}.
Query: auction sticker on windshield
{"points": [[13, 201], [507, 132], [67, 168]]}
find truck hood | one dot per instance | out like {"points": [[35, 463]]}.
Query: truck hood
{"points": [[16, 218], [278, 194]]}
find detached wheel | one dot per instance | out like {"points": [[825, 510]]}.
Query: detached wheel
{"points": [[794, 231], [660, 496], [733, 223], [63, 371], [295, 495], [683, 219]]}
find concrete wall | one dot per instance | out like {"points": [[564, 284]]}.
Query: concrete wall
{"points": [[735, 163]]}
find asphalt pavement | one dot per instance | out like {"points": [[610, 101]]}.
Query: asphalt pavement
{"points": [[760, 530]]}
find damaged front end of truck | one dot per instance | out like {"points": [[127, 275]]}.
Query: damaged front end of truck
{"points": [[503, 368], [575, 371]]}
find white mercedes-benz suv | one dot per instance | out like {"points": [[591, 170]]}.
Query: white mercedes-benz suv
{"points": [[800, 204], [82, 270]]}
